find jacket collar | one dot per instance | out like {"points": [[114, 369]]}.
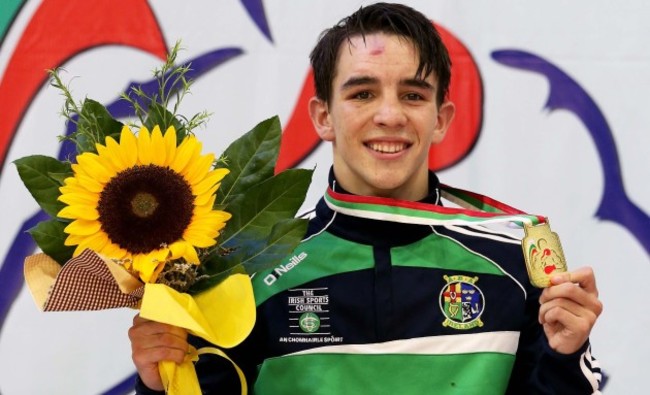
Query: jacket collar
{"points": [[369, 231]]}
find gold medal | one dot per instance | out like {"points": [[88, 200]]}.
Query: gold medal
{"points": [[543, 254]]}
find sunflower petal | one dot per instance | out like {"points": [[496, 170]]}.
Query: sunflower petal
{"points": [[99, 240], [186, 153], [144, 265], [114, 152], [202, 205], [170, 144], [83, 227], [208, 226], [147, 264], [145, 153], [159, 268], [73, 240], [210, 220], [202, 200], [78, 250], [207, 235], [113, 251], [77, 169], [93, 166], [70, 182], [191, 256], [198, 239], [162, 254], [158, 151], [95, 242], [90, 183], [83, 193], [81, 197], [79, 212], [197, 169], [177, 249], [128, 147], [211, 179], [105, 153]]}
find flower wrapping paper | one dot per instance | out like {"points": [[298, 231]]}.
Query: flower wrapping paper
{"points": [[224, 315]]}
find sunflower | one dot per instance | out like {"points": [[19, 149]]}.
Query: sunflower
{"points": [[143, 201]]}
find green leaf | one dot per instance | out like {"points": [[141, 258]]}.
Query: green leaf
{"points": [[262, 229], [59, 177], [208, 281], [255, 255], [50, 237], [263, 205], [251, 160], [284, 238], [205, 282], [42, 175], [159, 115], [99, 124]]}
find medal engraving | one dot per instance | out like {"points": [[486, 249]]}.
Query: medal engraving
{"points": [[543, 254]]}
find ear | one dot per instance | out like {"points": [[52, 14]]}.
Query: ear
{"points": [[446, 114], [320, 117]]}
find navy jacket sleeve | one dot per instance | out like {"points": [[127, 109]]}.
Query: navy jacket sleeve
{"points": [[540, 370]]}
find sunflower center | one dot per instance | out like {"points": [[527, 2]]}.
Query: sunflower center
{"points": [[144, 204], [144, 208]]}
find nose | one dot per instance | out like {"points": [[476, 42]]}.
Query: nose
{"points": [[389, 112]]}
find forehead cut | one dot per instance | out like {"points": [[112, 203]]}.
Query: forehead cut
{"points": [[376, 45]]}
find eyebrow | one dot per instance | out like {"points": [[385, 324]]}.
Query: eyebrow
{"points": [[356, 81], [366, 80]]}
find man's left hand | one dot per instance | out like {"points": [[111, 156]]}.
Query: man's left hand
{"points": [[569, 309]]}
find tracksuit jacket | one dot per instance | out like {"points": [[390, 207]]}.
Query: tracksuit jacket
{"points": [[366, 306]]}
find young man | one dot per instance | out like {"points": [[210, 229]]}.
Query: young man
{"points": [[373, 303]]}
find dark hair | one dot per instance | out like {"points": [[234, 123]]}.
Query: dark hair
{"points": [[387, 18]]}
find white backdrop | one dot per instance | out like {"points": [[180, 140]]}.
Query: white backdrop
{"points": [[538, 160]]}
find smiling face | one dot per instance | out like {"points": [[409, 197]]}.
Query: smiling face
{"points": [[382, 118]]}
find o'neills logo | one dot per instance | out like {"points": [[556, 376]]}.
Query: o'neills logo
{"points": [[282, 269]]}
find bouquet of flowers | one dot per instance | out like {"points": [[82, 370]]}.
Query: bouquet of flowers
{"points": [[141, 218]]}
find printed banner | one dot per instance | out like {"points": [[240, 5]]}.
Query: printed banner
{"points": [[550, 101]]}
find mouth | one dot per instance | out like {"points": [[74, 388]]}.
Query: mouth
{"points": [[387, 147]]}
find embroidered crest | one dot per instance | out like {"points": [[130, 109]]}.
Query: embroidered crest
{"points": [[461, 302]]}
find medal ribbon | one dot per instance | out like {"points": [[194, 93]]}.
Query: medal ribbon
{"points": [[476, 209]]}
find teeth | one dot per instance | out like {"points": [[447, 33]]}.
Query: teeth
{"points": [[387, 148]]}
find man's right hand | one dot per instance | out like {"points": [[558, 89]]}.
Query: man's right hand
{"points": [[152, 342]]}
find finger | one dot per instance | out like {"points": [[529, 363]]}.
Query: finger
{"points": [[574, 293], [575, 309], [139, 320], [146, 338], [149, 350], [572, 299], [143, 356], [152, 342], [563, 340], [156, 340], [583, 276], [143, 326], [579, 325]]}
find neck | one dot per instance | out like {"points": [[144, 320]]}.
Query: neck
{"points": [[422, 192]]}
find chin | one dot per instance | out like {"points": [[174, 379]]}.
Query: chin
{"points": [[386, 189]]}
